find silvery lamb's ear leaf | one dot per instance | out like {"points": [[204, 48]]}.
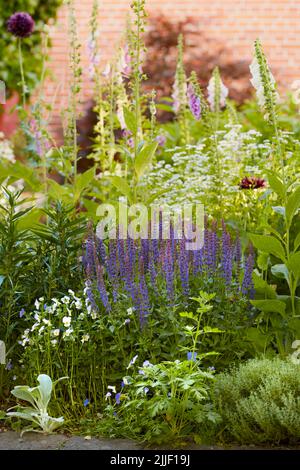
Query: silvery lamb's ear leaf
{"points": [[45, 388], [23, 393], [54, 423]]}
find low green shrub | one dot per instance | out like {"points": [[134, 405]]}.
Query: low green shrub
{"points": [[259, 401]]}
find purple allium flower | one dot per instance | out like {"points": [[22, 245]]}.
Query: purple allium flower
{"points": [[194, 102], [118, 398], [21, 25], [86, 402], [22, 313], [191, 356]]}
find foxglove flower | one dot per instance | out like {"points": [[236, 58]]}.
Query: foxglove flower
{"points": [[217, 92], [194, 102], [21, 25]]}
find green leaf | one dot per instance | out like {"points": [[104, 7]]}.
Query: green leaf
{"points": [[280, 271], [130, 120], [268, 244], [294, 264], [208, 329], [83, 180], [144, 158], [276, 184], [297, 242], [122, 185], [293, 204], [268, 305], [262, 261]]}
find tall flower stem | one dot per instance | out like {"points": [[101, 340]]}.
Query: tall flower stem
{"points": [[23, 84]]}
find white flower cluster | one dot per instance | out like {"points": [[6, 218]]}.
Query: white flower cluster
{"points": [[211, 90], [257, 82], [56, 321], [6, 151], [190, 177]]}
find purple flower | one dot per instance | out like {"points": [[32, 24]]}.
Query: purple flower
{"points": [[118, 398], [147, 364], [127, 321], [20, 24], [194, 102], [184, 267], [161, 139], [86, 402], [146, 390], [247, 284], [22, 313], [191, 356], [168, 267], [9, 365], [227, 257]]}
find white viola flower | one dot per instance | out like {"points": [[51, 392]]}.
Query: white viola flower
{"points": [[94, 315], [132, 361], [107, 396], [47, 322], [85, 338], [66, 321], [68, 332], [81, 316], [112, 388], [41, 329], [71, 292], [54, 342], [130, 311], [37, 304], [78, 304], [37, 317], [56, 332], [34, 326], [65, 300], [211, 89]]}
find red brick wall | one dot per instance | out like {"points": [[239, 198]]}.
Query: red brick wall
{"points": [[236, 22]]}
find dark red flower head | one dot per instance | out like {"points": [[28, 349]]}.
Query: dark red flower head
{"points": [[251, 182], [20, 24]]}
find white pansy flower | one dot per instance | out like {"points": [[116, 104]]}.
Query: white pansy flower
{"points": [[71, 292], [54, 342], [37, 304], [85, 338], [78, 304], [68, 332], [41, 329], [130, 311], [66, 321], [56, 332], [47, 322], [34, 326], [112, 388], [65, 299], [94, 315]]}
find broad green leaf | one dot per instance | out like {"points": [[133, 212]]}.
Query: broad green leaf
{"points": [[83, 180], [263, 261], [268, 244], [280, 271], [294, 264], [297, 242], [293, 204], [22, 392], [259, 339], [270, 305], [122, 185], [144, 158], [276, 184], [130, 120]]}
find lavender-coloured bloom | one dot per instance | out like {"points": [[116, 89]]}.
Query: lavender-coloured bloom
{"points": [[86, 402], [101, 287], [227, 257], [184, 267], [144, 302], [127, 321], [9, 365], [21, 313], [141, 372], [194, 102], [101, 251], [191, 356], [107, 396], [247, 284], [168, 267], [147, 364], [118, 398], [161, 140], [131, 363], [21, 25], [146, 390]]}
